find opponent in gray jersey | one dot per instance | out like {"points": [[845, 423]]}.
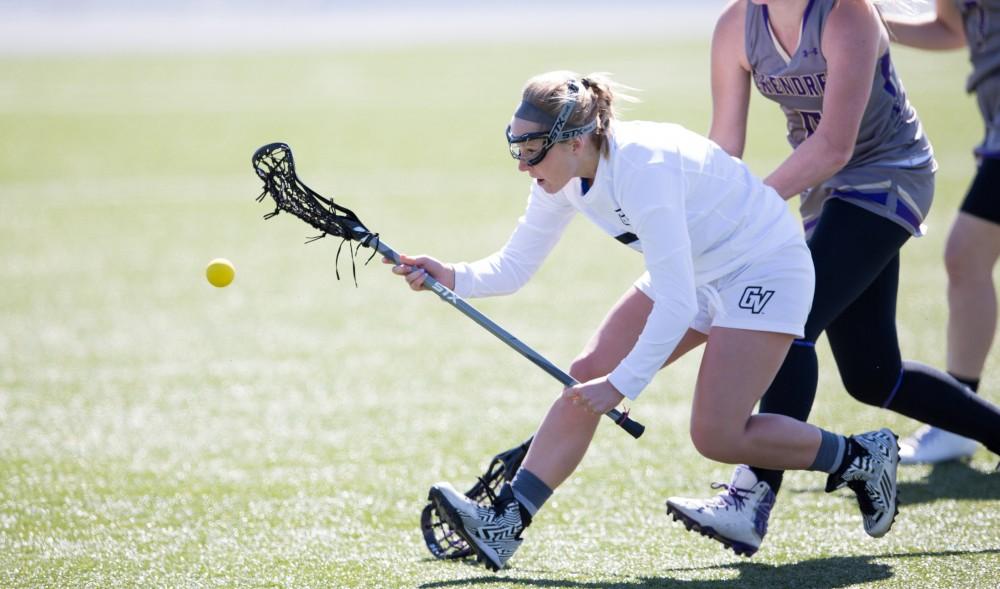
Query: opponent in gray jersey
{"points": [[726, 267], [973, 245], [865, 172], [889, 134]]}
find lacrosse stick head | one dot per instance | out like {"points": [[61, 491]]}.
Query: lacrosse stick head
{"points": [[275, 165], [441, 539]]}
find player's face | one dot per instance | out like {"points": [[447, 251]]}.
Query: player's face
{"points": [[557, 167]]}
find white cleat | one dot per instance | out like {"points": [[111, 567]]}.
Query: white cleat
{"points": [[736, 517], [929, 445]]}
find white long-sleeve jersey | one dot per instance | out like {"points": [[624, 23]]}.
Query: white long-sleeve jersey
{"points": [[694, 212]]}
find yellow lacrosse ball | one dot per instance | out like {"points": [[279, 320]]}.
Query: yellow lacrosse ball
{"points": [[220, 272]]}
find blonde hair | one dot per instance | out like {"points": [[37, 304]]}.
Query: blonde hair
{"points": [[596, 99]]}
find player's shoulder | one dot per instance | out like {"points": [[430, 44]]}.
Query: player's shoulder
{"points": [[732, 18], [734, 9], [850, 21], [853, 13], [729, 34], [640, 144], [632, 137]]}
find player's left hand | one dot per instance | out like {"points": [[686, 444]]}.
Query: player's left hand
{"points": [[596, 396]]}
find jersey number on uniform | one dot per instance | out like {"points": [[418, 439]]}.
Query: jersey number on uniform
{"points": [[810, 120]]}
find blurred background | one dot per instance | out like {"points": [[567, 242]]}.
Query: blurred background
{"points": [[106, 26]]}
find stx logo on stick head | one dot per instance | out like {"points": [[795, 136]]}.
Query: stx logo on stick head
{"points": [[754, 298]]}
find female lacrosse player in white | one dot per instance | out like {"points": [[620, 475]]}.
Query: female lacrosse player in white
{"points": [[865, 171], [726, 265], [974, 241]]}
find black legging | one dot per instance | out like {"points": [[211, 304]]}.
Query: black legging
{"points": [[856, 256]]}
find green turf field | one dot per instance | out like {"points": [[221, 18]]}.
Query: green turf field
{"points": [[283, 432]]}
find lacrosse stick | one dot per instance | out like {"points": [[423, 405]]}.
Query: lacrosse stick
{"points": [[441, 539], [275, 166]]}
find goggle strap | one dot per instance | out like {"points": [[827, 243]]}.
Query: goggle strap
{"points": [[576, 132], [563, 117]]}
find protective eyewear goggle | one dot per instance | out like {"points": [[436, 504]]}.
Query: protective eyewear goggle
{"points": [[531, 148]]}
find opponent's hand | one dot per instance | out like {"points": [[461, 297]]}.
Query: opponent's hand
{"points": [[596, 396], [415, 269]]}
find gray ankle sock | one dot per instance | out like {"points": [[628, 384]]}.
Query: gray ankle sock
{"points": [[530, 491], [830, 453]]}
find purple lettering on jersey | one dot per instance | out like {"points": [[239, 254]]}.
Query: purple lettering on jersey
{"points": [[811, 85]]}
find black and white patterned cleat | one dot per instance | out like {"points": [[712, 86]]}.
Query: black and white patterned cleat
{"points": [[872, 476], [494, 532]]}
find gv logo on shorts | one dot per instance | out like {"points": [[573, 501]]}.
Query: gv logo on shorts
{"points": [[754, 298]]}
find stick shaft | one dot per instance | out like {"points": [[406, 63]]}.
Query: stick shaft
{"points": [[634, 428]]}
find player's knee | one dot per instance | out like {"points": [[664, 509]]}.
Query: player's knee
{"points": [[965, 258], [958, 259], [713, 441], [871, 384]]}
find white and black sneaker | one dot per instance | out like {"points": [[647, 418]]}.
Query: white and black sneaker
{"points": [[869, 470], [494, 532], [736, 517]]}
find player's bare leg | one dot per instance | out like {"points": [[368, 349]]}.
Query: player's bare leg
{"points": [[566, 432]]}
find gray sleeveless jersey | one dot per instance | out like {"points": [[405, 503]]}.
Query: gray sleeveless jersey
{"points": [[982, 32], [890, 139]]}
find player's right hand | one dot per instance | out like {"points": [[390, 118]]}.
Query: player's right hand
{"points": [[416, 268]]}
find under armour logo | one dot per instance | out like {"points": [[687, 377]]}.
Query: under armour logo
{"points": [[808, 52], [754, 298], [623, 218]]}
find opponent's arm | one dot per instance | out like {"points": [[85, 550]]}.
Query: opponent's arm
{"points": [[940, 31], [853, 40], [730, 80]]}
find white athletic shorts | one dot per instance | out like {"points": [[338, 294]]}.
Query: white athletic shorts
{"points": [[772, 293]]}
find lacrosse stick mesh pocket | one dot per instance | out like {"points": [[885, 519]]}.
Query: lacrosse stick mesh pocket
{"points": [[275, 165]]}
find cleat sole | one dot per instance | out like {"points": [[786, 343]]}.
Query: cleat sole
{"points": [[690, 524]]}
